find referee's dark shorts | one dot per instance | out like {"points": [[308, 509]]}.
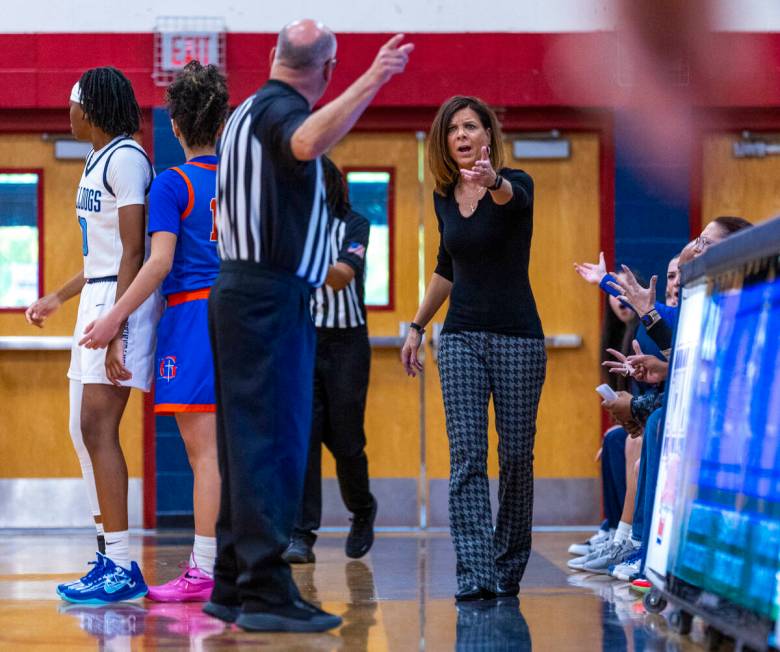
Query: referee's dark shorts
{"points": [[263, 341]]}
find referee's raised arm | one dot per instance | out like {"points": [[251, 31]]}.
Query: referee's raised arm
{"points": [[328, 125]]}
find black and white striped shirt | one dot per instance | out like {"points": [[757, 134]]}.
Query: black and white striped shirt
{"points": [[345, 308], [271, 207]]}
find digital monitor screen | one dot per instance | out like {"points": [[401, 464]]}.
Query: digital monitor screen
{"points": [[720, 468]]}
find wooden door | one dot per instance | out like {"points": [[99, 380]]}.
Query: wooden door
{"points": [[393, 409], [744, 187]]}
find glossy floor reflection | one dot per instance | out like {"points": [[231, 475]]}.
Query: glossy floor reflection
{"points": [[398, 598]]}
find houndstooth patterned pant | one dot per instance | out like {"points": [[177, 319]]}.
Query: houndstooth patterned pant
{"points": [[472, 366]]}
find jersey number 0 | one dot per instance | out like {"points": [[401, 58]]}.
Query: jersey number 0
{"points": [[84, 237]]}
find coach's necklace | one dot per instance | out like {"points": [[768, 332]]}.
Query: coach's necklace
{"points": [[472, 200]]}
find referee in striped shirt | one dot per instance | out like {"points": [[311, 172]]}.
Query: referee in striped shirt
{"points": [[272, 223], [341, 373]]}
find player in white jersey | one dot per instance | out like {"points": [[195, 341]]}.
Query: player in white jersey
{"points": [[111, 212]]}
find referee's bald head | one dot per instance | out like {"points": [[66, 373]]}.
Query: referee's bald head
{"points": [[305, 45]]}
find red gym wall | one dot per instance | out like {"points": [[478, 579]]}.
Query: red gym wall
{"points": [[38, 70]]}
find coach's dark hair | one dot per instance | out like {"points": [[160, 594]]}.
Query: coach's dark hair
{"points": [[336, 191], [108, 101], [732, 224], [198, 101]]}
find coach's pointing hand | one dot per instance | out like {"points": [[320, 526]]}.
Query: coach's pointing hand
{"points": [[482, 173], [390, 60]]}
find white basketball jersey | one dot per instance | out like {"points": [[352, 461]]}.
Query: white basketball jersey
{"points": [[117, 175]]}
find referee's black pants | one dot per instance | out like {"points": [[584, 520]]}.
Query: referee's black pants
{"points": [[263, 342], [341, 372]]}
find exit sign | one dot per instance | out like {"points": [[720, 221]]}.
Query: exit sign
{"points": [[179, 48]]}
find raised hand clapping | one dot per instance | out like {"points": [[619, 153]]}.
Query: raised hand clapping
{"points": [[592, 272], [641, 366], [632, 293], [622, 366], [647, 368]]}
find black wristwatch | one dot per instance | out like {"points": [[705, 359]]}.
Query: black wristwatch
{"points": [[417, 327], [497, 184], [650, 319]]}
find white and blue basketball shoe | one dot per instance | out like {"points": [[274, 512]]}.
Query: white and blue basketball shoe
{"points": [[91, 576], [105, 583]]}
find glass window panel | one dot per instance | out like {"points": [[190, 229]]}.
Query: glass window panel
{"points": [[369, 193], [18, 239]]}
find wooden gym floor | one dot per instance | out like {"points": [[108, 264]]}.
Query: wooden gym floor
{"points": [[399, 597]]}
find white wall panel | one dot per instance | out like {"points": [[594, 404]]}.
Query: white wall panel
{"points": [[57, 502], [748, 15], [340, 15], [350, 16]]}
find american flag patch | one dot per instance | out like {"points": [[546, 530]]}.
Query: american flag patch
{"points": [[357, 249]]}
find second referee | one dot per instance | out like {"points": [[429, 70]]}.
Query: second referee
{"points": [[341, 371]]}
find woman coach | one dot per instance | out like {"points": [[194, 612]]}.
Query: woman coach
{"points": [[491, 344]]}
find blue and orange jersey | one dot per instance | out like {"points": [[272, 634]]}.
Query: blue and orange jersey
{"points": [[182, 202]]}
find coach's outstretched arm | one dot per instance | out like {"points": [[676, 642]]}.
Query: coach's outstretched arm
{"points": [[327, 126]]}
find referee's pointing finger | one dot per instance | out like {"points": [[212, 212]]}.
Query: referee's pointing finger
{"points": [[393, 46], [393, 43]]}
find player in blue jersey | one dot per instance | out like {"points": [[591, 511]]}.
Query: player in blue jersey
{"points": [[184, 259], [111, 213]]}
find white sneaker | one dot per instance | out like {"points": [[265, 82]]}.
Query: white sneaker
{"points": [[627, 570], [599, 551], [587, 547], [612, 555]]}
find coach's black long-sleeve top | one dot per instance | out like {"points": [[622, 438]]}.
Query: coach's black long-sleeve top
{"points": [[486, 256]]}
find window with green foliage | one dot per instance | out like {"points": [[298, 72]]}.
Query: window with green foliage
{"points": [[19, 238], [371, 195]]}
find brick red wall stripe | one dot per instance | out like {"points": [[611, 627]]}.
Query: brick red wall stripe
{"points": [[38, 70]]}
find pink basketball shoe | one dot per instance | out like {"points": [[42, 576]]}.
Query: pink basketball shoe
{"points": [[193, 585]]}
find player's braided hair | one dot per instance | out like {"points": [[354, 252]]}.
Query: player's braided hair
{"points": [[109, 102], [336, 191], [198, 101]]}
